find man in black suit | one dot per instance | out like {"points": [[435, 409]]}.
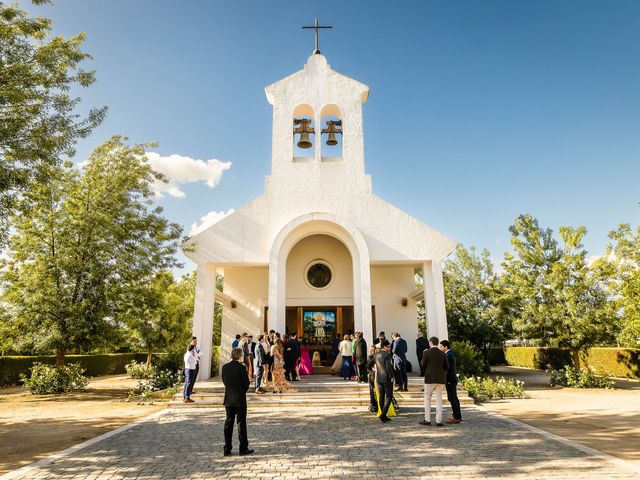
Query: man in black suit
{"points": [[251, 346], [435, 365], [236, 384], [291, 355], [360, 354], [421, 346], [384, 377], [261, 361], [399, 349], [452, 382]]}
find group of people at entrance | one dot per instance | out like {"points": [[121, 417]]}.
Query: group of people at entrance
{"points": [[273, 362], [437, 366]]}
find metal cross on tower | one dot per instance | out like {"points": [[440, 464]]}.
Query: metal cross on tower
{"points": [[317, 27]]}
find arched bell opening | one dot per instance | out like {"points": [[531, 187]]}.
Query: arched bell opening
{"points": [[304, 133], [331, 129]]}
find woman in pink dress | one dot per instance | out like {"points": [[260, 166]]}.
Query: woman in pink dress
{"points": [[305, 367]]}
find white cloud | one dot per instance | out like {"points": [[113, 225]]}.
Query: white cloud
{"points": [[208, 220], [180, 169]]}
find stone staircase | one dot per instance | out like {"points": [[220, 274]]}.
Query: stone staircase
{"points": [[314, 390]]}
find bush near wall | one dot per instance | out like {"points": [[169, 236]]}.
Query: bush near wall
{"points": [[94, 365], [616, 362]]}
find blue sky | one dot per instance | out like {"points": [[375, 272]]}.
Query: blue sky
{"points": [[479, 110]]}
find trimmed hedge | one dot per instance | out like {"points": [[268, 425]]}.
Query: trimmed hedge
{"points": [[538, 358], [94, 365], [616, 362]]}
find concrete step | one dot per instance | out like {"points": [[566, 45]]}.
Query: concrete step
{"points": [[355, 395]]}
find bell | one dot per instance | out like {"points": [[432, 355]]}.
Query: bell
{"points": [[331, 131], [303, 128], [304, 140]]}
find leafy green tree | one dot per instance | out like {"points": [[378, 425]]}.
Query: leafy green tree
{"points": [[159, 312], [38, 120], [555, 296], [80, 241], [623, 255], [471, 288]]}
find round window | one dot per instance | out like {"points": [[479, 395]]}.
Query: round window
{"points": [[319, 274]]}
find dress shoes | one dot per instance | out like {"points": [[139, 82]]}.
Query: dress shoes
{"points": [[385, 419], [246, 452], [188, 400], [424, 422], [226, 454], [439, 425], [454, 420]]}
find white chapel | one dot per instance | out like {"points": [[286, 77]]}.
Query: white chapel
{"points": [[318, 253]]}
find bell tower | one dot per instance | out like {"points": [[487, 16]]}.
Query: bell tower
{"points": [[317, 126]]}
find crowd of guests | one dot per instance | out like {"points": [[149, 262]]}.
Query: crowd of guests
{"points": [[275, 364]]}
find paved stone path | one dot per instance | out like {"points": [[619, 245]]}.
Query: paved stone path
{"points": [[336, 443]]}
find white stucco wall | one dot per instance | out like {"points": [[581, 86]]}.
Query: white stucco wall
{"points": [[388, 286], [332, 251], [248, 286]]}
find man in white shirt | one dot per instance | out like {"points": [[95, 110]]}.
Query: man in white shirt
{"points": [[190, 362]]}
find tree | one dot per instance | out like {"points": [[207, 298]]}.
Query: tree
{"points": [[623, 254], [554, 294], [80, 241], [159, 312], [38, 123], [471, 290]]}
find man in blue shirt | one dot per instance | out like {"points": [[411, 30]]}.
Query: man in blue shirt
{"points": [[452, 382]]}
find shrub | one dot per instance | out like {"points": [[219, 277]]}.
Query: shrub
{"points": [[580, 378], [46, 379], [160, 380], [469, 359], [139, 369], [173, 360], [486, 388]]}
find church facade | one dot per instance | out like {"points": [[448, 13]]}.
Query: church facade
{"points": [[318, 253]]}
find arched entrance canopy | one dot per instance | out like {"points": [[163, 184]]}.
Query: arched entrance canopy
{"points": [[320, 224]]}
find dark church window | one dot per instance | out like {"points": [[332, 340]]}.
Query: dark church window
{"points": [[319, 275]]}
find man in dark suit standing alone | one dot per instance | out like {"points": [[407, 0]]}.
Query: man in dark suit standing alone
{"points": [[384, 377], [421, 346], [434, 363], [452, 382], [236, 384], [291, 355]]}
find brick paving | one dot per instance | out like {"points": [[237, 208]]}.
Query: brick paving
{"points": [[336, 443]]}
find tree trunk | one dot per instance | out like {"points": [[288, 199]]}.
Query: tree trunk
{"points": [[575, 354], [149, 356], [60, 353]]}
